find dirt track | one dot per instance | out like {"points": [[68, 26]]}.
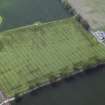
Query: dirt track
{"points": [[91, 10]]}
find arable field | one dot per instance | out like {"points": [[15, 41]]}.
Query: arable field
{"points": [[32, 54], [91, 10]]}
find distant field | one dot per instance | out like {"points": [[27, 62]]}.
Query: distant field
{"points": [[31, 54], [92, 10]]}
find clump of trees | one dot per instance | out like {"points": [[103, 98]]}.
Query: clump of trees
{"points": [[34, 83], [64, 71], [66, 74], [78, 66], [68, 7], [84, 23], [97, 60], [53, 80], [66, 4], [79, 18], [100, 60], [72, 11], [52, 77]]}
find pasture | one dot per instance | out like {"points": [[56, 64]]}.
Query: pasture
{"points": [[30, 55]]}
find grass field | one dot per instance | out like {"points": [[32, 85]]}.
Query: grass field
{"points": [[29, 55], [91, 10]]}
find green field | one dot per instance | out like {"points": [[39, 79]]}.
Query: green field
{"points": [[30, 55]]}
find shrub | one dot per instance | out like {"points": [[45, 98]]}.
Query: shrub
{"points": [[78, 66], [79, 18], [72, 11], [52, 77], [65, 72], [66, 4], [85, 25]]}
